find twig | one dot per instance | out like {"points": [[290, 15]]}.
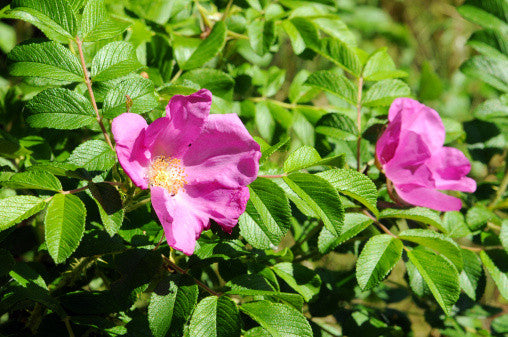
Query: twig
{"points": [[226, 11], [175, 267], [272, 175], [177, 75], [380, 225], [90, 92], [68, 326], [500, 190], [359, 122]]}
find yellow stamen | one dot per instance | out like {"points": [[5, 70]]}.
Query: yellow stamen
{"points": [[168, 173]]}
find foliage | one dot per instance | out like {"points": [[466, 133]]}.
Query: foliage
{"points": [[321, 249]]}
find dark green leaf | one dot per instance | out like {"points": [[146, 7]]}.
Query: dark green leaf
{"points": [[500, 277], [334, 83], [354, 223], [337, 126], [471, 273], [303, 280], [215, 317], [208, 48], [6, 261]]}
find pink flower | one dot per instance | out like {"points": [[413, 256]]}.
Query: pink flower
{"points": [[413, 157], [196, 165]]}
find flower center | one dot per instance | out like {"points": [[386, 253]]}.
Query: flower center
{"points": [[168, 173]]}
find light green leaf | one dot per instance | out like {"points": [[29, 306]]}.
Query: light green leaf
{"points": [[280, 320], [478, 216], [340, 53], [484, 18], [17, 208], [55, 18], [440, 275], [267, 216], [455, 224], [96, 23], [436, 241], [420, 214], [298, 91], [334, 83], [114, 60], [215, 317], [261, 36], [377, 259], [354, 223], [34, 180], [380, 66], [302, 279], [264, 121], [321, 197], [353, 184], [499, 277], [383, 93], [296, 39], [218, 82], [141, 92], [160, 309], [493, 71], [308, 33], [471, 273], [60, 108], [208, 48], [48, 60], [64, 225], [307, 156], [266, 153], [503, 234], [93, 155], [337, 126], [431, 86]]}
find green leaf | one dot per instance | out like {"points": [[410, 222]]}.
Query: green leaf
{"points": [[471, 273], [420, 214], [64, 225], [96, 24], [295, 37], [140, 91], [377, 259], [353, 184], [334, 83], [307, 156], [264, 121], [478, 216], [298, 91], [93, 155], [17, 208], [34, 288], [218, 82], [380, 66], [307, 32], [55, 18], [321, 197], [261, 36], [266, 153], [483, 17], [267, 217], [436, 241], [109, 203], [114, 60], [439, 274], [493, 71], [340, 53], [354, 223], [431, 86], [292, 299], [499, 277], [455, 224], [337, 126], [34, 180], [280, 320], [383, 93], [208, 48], [48, 60], [60, 108], [302, 279], [503, 234], [215, 316]]}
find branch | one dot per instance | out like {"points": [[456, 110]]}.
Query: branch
{"points": [[90, 92], [379, 224]]}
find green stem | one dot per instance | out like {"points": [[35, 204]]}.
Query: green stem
{"points": [[359, 122]]}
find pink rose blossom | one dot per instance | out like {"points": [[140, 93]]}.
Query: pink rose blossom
{"points": [[413, 157], [196, 165]]}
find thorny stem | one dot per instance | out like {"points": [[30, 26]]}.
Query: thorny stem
{"points": [[90, 92], [226, 11], [173, 266], [379, 224], [359, 121]]}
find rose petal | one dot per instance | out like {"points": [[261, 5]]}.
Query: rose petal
{"points": [[185, 116], [224, 152], [389, 141], [223, 205], [182, 225], [428, 197], [450, 167], [421, 119], [128, 131]]}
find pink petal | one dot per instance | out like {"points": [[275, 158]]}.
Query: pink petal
{"points": [[185, 116], [182, 225], [421, 119], [450, 167], [223, 205], [389, 140], [224, 152], [428, 197], [128, 131]]}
